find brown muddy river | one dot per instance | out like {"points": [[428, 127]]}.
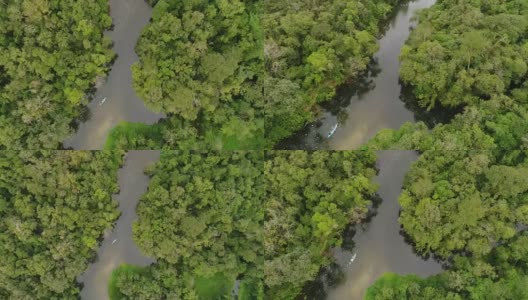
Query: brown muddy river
{"points": [[121, 104]]}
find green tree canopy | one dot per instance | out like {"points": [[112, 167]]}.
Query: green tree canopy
{"points": [[310, 48], [54, 208], [200, 62], [463, 52], [53, 52]]}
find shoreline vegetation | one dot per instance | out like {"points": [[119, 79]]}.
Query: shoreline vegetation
{"points": [[48, 233], [311, 198], [202, 220]]}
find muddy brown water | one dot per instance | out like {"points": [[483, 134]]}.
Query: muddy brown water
{"points": [[122, 103]]}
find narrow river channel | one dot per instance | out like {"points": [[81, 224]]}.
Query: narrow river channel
{"points": [[121, 104], [372, 103], [379, 247], [118, 246]]}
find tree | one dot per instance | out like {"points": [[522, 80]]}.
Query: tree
{"points": [[200, 63], [202, 220]]}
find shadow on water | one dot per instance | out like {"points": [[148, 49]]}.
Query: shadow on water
{"points": [[309, 137], [436, 115], [330, 276]]}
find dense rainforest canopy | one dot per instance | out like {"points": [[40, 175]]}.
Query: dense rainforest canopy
{"points": [[52, 53], [200, 62], [464, 201], [310, 198], [310, 48], [54, 208], [465, 52], [202, 219]]}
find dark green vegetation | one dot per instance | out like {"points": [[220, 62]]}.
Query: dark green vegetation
{"points": [[54, 208], [466, 198], [310, 48], [499, 124], [466, 52], [201, 64], [202, 220], [311, 198], [121, 272], [52, 53], [464, 201]]}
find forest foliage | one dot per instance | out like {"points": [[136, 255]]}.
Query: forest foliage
{"points": [[310, 198], [53, 52], [54, 208], [465, 52], [200, 62], [310, 48], [202, 220]]}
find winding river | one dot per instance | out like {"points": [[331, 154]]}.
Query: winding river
{"points": [[372, 103], [122, 104], [378, 246], [376, 101], [118, 247]]}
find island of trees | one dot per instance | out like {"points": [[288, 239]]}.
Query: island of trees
{"points": [[54, 208], [200, 63], [202, 219]]}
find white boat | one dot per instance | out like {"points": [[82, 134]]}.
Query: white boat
{"points": [[353, 258], [102, 101], [332, 131]]}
